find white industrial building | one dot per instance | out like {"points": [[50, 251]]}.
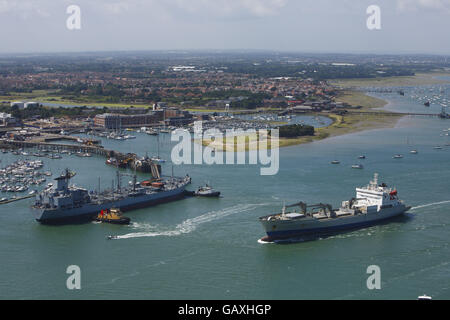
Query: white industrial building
{"points": [[31, 104], [19, 104], [6, 119], [24, 105]]}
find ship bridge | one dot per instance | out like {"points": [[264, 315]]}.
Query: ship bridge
{"points": [[376, 195]]}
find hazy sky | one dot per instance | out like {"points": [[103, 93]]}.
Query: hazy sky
{"points": [[407, 26]]}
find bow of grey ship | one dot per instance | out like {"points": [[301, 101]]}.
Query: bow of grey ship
{"points": [[373, 204], [63, 203]]}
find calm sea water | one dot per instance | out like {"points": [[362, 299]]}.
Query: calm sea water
{"points": [[208, 249]]}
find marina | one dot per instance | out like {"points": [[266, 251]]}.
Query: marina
{"points": [[21, 175]]}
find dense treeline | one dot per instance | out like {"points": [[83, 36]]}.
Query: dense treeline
{"points": [[47, 112], [253, 101], [318, 71], [295, 130]]}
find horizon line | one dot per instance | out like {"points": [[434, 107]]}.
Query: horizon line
{"points": [[360, 53]]}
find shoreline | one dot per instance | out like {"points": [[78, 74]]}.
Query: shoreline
{"points": [[347, 125], [341, 125], [350, 123]]}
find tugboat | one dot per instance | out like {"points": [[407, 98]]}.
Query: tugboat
{"points": [[113, 216], [206, 191], [444, 114], [157, 159]]}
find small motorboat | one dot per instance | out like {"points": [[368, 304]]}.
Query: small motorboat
{"points": [[158, 160], [438, 148], [206, 191], [424, 297], [152, 132], [335, 162], [398, 156], [362, 157], [414, 151], [357, 166], [113, 216]]}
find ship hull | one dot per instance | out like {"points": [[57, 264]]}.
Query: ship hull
{"points": [[279, 230], [90, 211]]}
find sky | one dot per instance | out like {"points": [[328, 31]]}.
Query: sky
{"points": [[332, 26]]}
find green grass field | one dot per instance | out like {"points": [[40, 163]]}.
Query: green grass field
{"points": [[357, 98], [50, 96]]}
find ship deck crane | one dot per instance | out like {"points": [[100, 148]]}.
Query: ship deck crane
{"points": [[303, 206], [119, 177]]}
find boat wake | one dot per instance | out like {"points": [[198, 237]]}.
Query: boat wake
{"points": [[189, 225], [430, 205]]}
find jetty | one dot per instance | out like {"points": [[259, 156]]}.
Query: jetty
{"points": [[16, 199], [145, 165]]}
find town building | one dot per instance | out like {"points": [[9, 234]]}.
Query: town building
{"points": [[114, 121], [24, 105], [31, 104], [7, 120], [19, 104]]}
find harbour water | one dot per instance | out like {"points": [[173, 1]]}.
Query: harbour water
{"points": [[208, 248]]}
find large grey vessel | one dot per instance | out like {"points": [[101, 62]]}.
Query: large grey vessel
{"points": [[63, 203]]}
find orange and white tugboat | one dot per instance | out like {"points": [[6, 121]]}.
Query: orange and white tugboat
{"points": [[113, 215]]}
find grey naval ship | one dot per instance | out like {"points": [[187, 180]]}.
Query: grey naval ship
{"points": [[63, 202], [373, 204]]}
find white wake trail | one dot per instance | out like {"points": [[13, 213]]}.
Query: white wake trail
{"points": [[190, 225], [430, 205]]}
